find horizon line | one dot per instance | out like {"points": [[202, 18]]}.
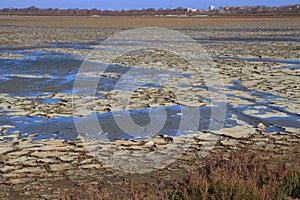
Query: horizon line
{"points": [[284, 5]]}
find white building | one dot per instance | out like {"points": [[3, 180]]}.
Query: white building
{"points": [[192, 10], [211, 7]]}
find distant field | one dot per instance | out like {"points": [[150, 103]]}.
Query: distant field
{"points": [[126, 22]]}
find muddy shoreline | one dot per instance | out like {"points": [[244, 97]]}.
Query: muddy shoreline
{"points": [[42, 155]]}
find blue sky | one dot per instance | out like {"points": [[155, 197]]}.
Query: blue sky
{"points": [[118, 4]]}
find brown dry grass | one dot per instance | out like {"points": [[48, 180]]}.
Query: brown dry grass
{"points": [[243, 176], [131, 22]]}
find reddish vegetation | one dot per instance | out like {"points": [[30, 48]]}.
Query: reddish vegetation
{"points": [[243, 176]]}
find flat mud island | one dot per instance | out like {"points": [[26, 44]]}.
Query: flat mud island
{"points": [[49, 148]]}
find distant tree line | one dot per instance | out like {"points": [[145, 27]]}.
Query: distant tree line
{"points": [[32, 10], [259, 10], [245, 10]]}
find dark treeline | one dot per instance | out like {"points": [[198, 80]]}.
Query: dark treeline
{"points": [[291, 9], [245, 10], [89, 12]]}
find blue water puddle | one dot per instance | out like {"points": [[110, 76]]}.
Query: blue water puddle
{"points": [[64, 127], [258, 96], [243, 40], [40, 55], [31, 57], [259, 59], [175, 115], [57, 128], [187, 75], [262, 95], [75, 45], [271, 124], [209, 88], [289, 121], [15, 50], [210, 42], [118, 77], [47, 100], [249, 30], [274, 124], [50, 71], [58, 72], [233, 51], [32, 54], [289, 67], [261, 105]]}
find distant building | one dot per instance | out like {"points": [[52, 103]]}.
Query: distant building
{"points": [[192, 10], [211, 7]]}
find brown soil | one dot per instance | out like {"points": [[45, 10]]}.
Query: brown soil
{"points": [[130, 22]]}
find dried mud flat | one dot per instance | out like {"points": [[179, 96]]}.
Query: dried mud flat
{"points": [[41, 153]]}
